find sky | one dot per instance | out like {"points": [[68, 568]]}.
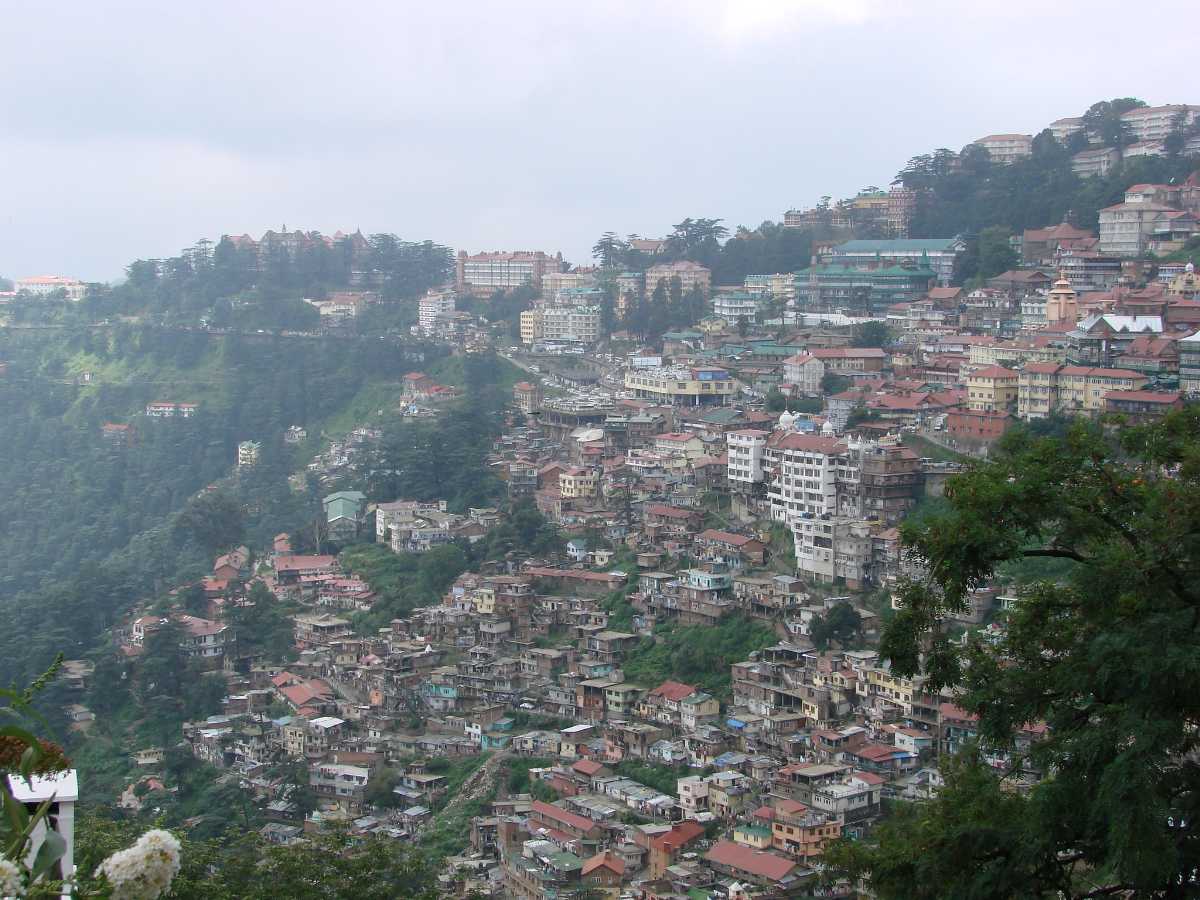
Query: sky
{"points": [[130, 130]]}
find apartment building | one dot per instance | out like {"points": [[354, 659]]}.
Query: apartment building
{"points": [[554, 282], [1153, 123], [737, 305], [1094, 163], [833, 549], [503, 270], [1045, 388], [690, 275], [1005, 149], [679, 386], [992, 389], [431, 306], [1127, 228], [579, 324]]}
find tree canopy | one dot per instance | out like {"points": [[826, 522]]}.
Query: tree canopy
{"points": [[1102, 663]]}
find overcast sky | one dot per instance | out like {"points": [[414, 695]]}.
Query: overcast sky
{"points": [[133, 129]]}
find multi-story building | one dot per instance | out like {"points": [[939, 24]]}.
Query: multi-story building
{"points": [[804, 372], [502, 270], [938, 254], [679, 386], [833, 549], [1094, 163], [553, 282], [902, 203], [572, 323], [528, 396], [432, 305], [578, 483], [737, 305], [802, 473], [861, 289], [1005, 149], [778, 286], [1189, 364], [1045, 388], [992, 389], [1153, 123], [1127, 228], [45, 285], [1062, 129], [690, 275], [248, 453]]}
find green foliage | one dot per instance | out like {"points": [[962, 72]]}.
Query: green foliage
{"points": [[662, 778], [871, 334], [1105, 656], [261, 626], [402, 582], [966, 193], [840, 624], [518, 772], [214, 520], [697, 655], [832, 383]]}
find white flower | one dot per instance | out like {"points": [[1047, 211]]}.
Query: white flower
{"points": [[145, 870], [11, 884]]}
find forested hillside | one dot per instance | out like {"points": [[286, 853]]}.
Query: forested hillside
{"points": [[86, 525]]}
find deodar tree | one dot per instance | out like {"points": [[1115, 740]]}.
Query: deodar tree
{"points": [[1105, 658]]}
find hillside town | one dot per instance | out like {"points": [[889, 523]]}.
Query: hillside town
{"points": [[683, 696]]}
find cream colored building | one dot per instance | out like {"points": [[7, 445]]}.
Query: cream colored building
{"points": [[578, 483], [1045, 388], [1005, 149], [690, 275], [681, 386], [992, 389]]}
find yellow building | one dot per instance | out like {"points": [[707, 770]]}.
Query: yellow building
{"points": [[578, 483], [531, 325], [1044, 388], [992, 389], [682, 386]]}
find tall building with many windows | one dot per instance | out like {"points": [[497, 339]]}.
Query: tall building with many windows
{"points": [[503, 270]]}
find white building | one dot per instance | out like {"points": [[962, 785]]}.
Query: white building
{"points": [[1126, 228], [248, 453], [432, 305], [1094, 163], [44, 285], [1005, 149], [733, 306], [1153, 123], [805, 371], [745, 461], [803, 472]]}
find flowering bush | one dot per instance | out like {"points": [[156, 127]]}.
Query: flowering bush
{"points": [[145, 870]]}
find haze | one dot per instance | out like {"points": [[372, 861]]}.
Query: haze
{"points": [[132, 129]]}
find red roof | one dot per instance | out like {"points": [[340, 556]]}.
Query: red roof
{"points": [[605, 859], [289, 562], [760, 863], [679, 836], [673, 690], [587, 767], [558, 814], [670, 512], [724, 537], [1164, 397], [848, 353], [805, 442]]}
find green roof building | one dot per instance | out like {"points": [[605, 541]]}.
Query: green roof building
{"points": [[938, 254], [860, 290]]}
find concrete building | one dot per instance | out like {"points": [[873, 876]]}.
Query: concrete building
{"points": [[690, 274], [937, 254], [1095, 162], [248, 453], [503, 270], [1127, 228], [1153, 123], [1005, 149], [680, 386], [1189, 364], [992, 389], [737, 304], [45, 285], [432, 305], [1045, 388]]}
